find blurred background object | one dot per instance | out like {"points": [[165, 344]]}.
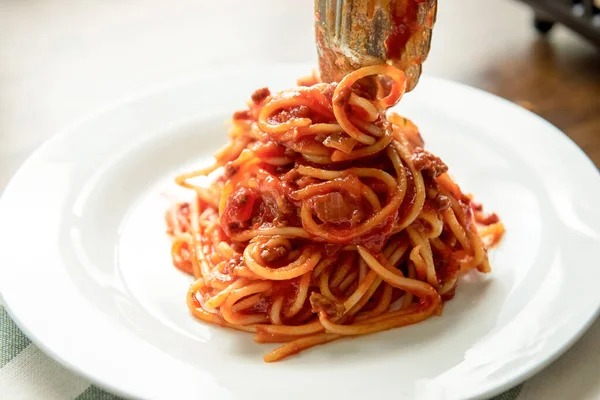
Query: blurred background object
{"points": [[583, 16]]}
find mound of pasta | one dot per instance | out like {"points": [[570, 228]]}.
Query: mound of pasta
{"points": [[324, 217]]}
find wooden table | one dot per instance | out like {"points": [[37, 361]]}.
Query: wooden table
{"points": [[557, 77], [61, 60]]}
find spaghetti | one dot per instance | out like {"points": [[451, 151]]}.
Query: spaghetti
{"points": [[325, 218]]}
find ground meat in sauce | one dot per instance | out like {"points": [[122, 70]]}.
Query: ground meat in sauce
{"points": [[244, 114], [441, 202], [293, 113], [233, 264], [343, 96], [260, 94], [333, 309], [230, 170], [427, 162], [328, 92], [269, 254]]}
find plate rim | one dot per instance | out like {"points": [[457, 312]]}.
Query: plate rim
{"points": [[512, 381]]}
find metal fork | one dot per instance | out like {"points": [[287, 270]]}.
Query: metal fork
{"points": [[356, 33]]}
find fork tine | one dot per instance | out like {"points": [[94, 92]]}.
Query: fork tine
{"points": [[355, 33], [350, 34]]}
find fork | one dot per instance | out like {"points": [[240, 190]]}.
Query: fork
{"points": [[356, 33]]}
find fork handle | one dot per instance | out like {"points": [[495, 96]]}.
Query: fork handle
{"points": [[356, 33]]}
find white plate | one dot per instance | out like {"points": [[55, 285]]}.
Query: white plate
{"points": [[85, 267]]}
